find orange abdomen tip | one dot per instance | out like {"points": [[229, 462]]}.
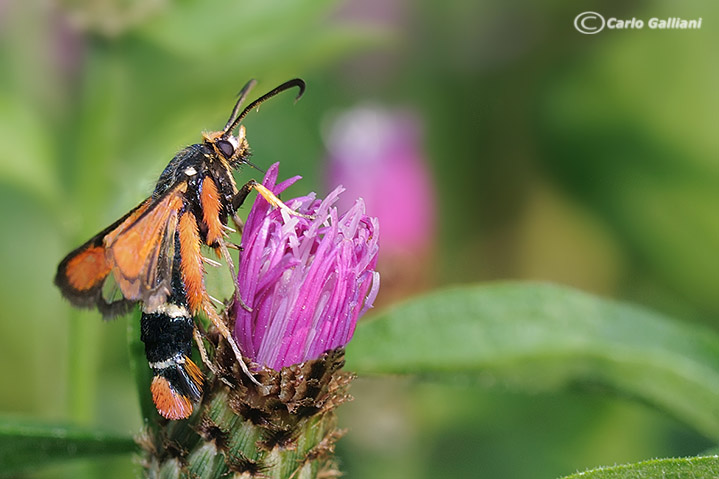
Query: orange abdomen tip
{"points": [[170, 404]]}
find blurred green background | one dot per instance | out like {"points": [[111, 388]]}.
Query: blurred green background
{"points": [[588, 160]]}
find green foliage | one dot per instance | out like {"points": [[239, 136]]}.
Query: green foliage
{"points": [[702, 467], [544, 337], [25, 446]]}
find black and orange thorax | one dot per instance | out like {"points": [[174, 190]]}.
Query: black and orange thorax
{"points": [[210, 188]]}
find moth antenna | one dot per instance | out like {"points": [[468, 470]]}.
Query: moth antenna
{"points": [[295, 82], [240, 98]]}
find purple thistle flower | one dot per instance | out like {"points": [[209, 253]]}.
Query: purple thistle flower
{"points": [[306, 280]]}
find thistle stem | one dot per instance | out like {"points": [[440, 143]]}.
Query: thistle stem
{"points": [[285, 429]]}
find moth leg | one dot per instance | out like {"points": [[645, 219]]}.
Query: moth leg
{"points": [[228, 259], [193, 277], [231, 230], [233, 246], [269, 196], [203, 351], [197, 335], [238, 221], [240, 198], [212, 314]]}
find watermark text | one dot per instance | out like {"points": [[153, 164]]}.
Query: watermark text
{"points": [[590, 23]]}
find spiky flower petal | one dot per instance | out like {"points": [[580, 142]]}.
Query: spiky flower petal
{"points": [[306, 280]]}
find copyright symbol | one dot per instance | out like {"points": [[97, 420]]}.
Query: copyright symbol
{"points": [[589, 23]]}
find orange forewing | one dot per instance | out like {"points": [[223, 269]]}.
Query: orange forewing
{"points": [[211, 210], [191, 262], [87, 269], [81, 274], [134, 248]]}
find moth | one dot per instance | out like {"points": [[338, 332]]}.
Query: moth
{"points": [[152, 256]]}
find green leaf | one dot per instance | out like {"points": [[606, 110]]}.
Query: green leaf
{"points": [[680, 468], [25, 446], [544, 337]]}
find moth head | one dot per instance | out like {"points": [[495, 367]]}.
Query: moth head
{"points": [[228, 147]]}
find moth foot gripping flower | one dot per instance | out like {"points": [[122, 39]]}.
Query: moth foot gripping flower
{"points": [[303, 280]]}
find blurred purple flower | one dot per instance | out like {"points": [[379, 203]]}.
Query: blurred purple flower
{"points": [[376, 154], [306, 280]]}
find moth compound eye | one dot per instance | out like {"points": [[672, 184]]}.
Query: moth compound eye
{"points": [[225, 148]]}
